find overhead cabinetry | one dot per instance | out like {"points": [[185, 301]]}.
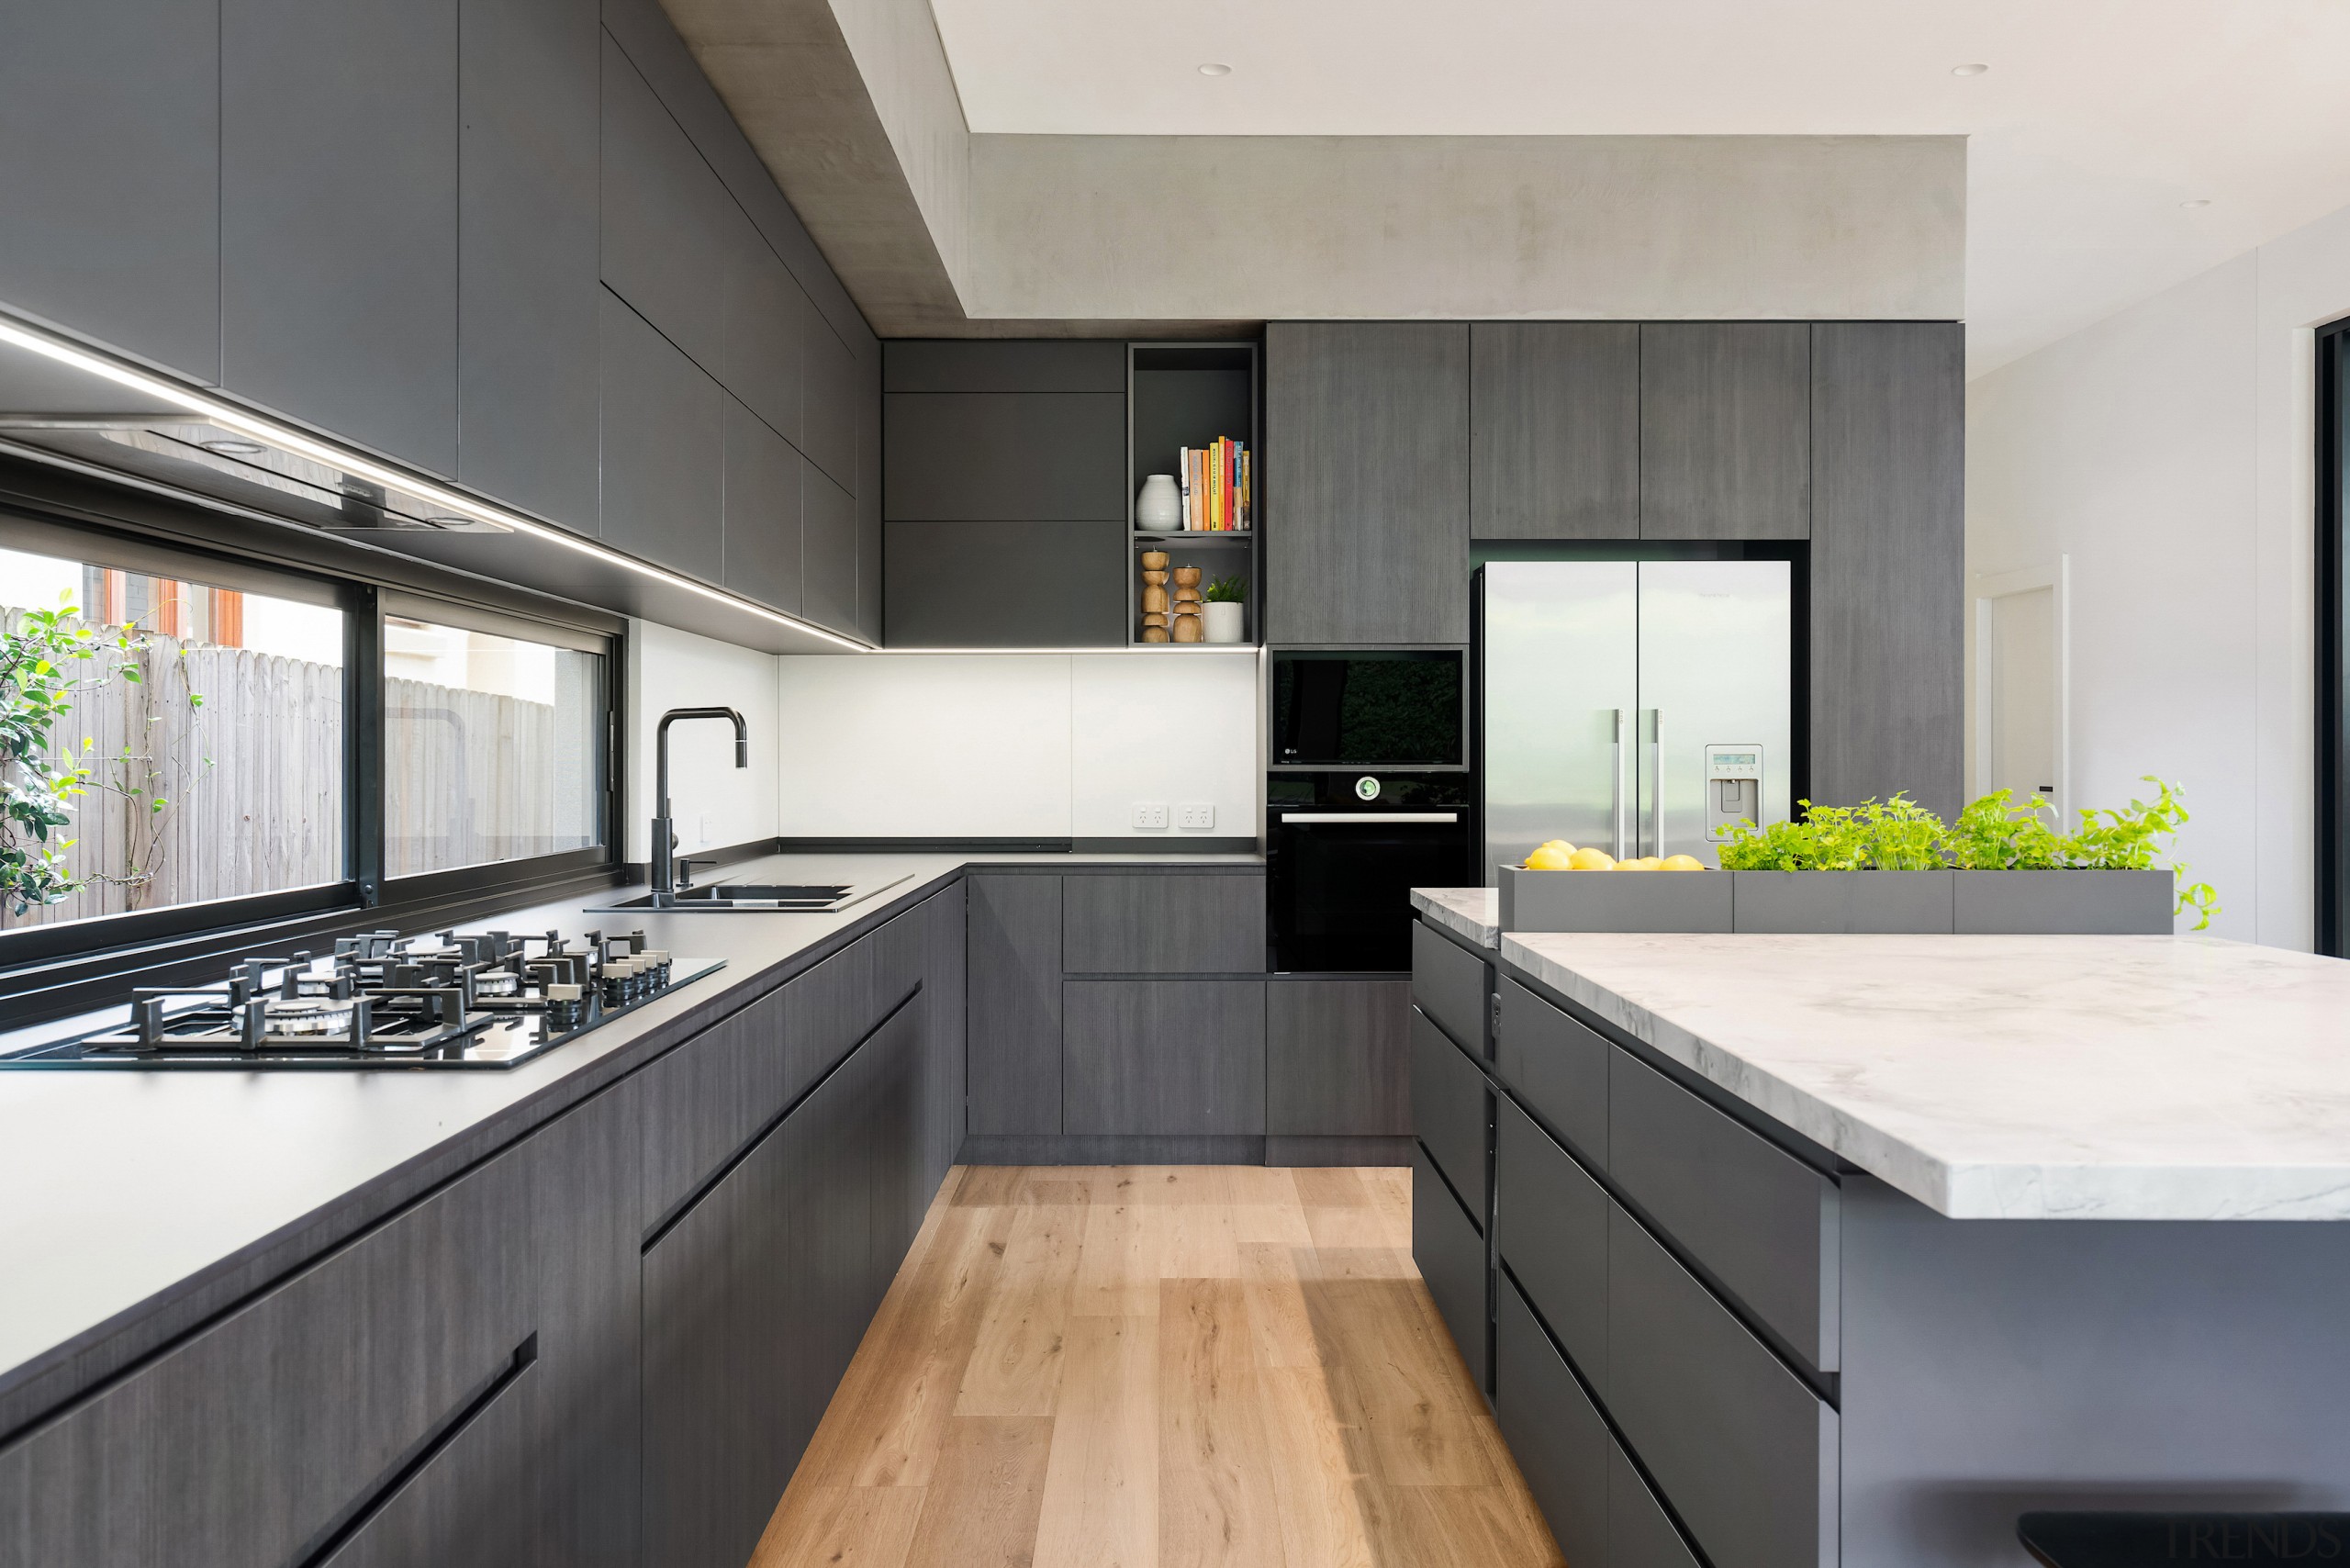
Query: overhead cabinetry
{"points": [[407, 225]]}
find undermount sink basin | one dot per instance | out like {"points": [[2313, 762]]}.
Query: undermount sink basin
{"points": [[757, 898]]}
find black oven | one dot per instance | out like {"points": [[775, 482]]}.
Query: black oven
{"points": [[1345, 848], [1392, 708]]}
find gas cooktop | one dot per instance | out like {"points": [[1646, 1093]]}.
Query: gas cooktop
{"points": [[380, 1000]]}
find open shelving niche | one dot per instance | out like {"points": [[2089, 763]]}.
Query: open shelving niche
{"points": [[1187, 394]]}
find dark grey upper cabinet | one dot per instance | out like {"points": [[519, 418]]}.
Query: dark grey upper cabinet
{"points": [[1888, 561], [978, 364], [663, 438], [1367, 482], [828, 551], [762, 515], [835, 391], [111, 114], [1049, 584], [1725, 430], [670, 227], [768, 323], [528, 204], [1012, 981], [1004, 456], [871, 542], [1554, 429], [339, 218]]}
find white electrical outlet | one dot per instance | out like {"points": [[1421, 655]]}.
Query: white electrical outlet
{"points": [[1149, 813], [1195, 814]]}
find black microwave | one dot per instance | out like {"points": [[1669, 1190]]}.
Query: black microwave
{"points": [[1390, 709]]}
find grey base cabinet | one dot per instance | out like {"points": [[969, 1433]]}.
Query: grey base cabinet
{"points": [[1338, 1058], [1163, 1057]]}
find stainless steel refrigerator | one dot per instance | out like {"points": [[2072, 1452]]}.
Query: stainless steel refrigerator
{"points": [[1633, 705]]}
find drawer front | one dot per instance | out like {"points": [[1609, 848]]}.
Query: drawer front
{"points": [[706, 1099], [1174, 924], [245, 1443], [1559, 1442], [1448, 1111], [1450, 1256], [1638, 1534], [1759, 1220], [1743, 1450], [1558, 1067], [1171, 1058], [1449, 984], [832, 1007], [1550, 1227], [462, 1508]]}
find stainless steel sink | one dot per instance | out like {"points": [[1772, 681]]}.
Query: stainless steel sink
{"points": [[757, 898]]}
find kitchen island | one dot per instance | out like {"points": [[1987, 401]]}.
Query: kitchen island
{"points": [[1818, 1250]]}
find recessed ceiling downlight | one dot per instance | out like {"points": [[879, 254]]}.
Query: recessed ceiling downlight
{"points": [[1213, 68], [1976, 68]]}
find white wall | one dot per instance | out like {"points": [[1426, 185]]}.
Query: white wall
{"points": [[716, 804], [2169, 452], [1026, 745]]}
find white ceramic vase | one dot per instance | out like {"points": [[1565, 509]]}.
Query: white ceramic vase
{"points": [[1160, 505], [1226, 623]]}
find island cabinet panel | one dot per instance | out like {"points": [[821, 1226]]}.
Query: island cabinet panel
{"points": [[1550, 1230], [1163, 1057], [1367, 482], [1725, 430], [1338, 1058], [114, 222], [1554, 1432], [706, 1099], [1450, 1112], [1554, 430], [1761, 1224], [1163, 924], [1448, 1247], [339, 218], [1743, 1448], [1557, 1066], [1448, 983], [256, 1439], [528, 218], [1013, 1013], [1640, 1533]]}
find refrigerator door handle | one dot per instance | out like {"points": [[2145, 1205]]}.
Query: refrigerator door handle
{"points": [[1623, 787], [1655, 845]]}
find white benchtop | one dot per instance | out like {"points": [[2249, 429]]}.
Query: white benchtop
{"points": [[1474, 912], [2009, 1077]]}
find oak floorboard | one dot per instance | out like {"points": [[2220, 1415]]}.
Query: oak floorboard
{"points": [[980, 1509], [1215, 1496], [1016, 1366], [1100, 1503]]}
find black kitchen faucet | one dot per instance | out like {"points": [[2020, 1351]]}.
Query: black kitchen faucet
{"points": [[665, 836]]}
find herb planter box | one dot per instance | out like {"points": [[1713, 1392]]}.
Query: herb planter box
{"points": [[2073, 903], [1806, 903], [1614, 901]]}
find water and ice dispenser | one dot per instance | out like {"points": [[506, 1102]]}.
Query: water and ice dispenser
{"points": [[1733, 784]]}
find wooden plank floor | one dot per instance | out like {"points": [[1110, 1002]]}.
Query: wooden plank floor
{"points": [[1158, 1367]]}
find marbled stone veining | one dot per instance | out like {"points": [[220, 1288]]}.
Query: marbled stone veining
{"points": [[1473, 912], [2009, 1077]]}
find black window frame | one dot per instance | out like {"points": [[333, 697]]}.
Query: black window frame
{"points": [[52, 969], [2332, 749]]}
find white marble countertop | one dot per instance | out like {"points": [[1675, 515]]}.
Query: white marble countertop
{"points": [[2011, 1077], [1474, 912]]}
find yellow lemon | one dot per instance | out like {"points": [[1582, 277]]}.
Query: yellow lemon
{"points": [[1591, 860], [1682, 863], [1550, 860], [1557, 844]]}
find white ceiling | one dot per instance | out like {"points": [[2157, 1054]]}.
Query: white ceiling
{"points": [[2097, 120]]}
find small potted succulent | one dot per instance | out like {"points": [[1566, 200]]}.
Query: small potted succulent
{"points": [[1227, 609]]}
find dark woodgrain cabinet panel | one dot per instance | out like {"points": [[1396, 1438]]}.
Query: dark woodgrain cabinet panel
{"points": [[1725, 430], [763, 511], [1555, 1433], [1013, 940], [833, 1007], [1450, 1251], [1170, 924], [1450, 1111], [114, 226], [944, 997], [247, 1442], [1558, 1067], [465, 1503], [1337, 1058], [706, 1099], [1049, 584], [1183, 1056], [1004, 456], [529, 172], [1554, 429], [1367, 482], [664, 448], [1551, 1229], [1888, 561], [339, 218]]}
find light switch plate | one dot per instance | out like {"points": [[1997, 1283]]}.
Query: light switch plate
{"points": [[1195, 814], [1149, 813]]}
